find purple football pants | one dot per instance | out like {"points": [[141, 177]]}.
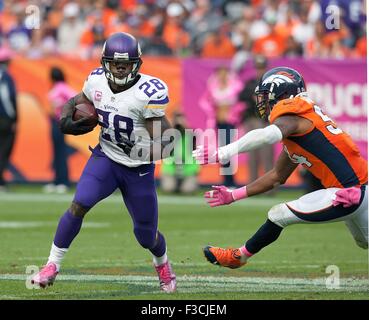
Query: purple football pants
{"points": [[100, 178]]}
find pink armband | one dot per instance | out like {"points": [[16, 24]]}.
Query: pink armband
{"points": [[239, 193]]}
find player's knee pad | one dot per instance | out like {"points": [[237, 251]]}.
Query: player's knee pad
{"points": [[146, 237], [84, 200], [78, 210], [281, 215]]}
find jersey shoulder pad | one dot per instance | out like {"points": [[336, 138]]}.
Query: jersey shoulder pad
{"points": [[152, 91], [92, 82], [95, 75], [294, 106]]}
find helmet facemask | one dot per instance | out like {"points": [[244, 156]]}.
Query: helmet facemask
{"points": [[265, 101], [262, 104], [128, 78]]}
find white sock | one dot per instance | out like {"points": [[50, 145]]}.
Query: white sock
{"points": [[243, 258], [56, 255], [160, 260]]}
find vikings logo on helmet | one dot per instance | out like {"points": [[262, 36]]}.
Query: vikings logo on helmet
{"points": [[121, 47]]}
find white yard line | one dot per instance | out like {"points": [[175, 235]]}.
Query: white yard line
{"points": [[37, 224], [219, 284]]}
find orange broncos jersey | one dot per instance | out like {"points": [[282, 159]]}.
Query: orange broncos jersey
{"points": [[325, 150]]}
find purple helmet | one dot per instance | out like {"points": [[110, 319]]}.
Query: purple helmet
{"points": [[121, 47]]}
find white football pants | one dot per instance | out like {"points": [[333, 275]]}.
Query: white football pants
{"points": [[316, 207]]}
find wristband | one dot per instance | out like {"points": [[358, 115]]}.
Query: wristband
{"points": [[239, 193]]}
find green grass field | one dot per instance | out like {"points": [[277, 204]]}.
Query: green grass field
{"points": [[106, 262]]}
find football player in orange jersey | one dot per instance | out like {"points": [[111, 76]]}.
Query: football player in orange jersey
{"points": [[310, 138]]}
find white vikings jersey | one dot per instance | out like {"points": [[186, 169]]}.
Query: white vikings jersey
{"points": [[123, 114]]}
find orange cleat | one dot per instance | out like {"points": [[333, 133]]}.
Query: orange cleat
{"points": [[230, 257]]}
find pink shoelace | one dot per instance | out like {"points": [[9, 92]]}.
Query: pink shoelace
{"points": [[165, 272], [49, 268]]}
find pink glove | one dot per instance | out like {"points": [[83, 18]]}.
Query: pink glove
{"points": [[221, 195], [347, 197], [201, 154]]}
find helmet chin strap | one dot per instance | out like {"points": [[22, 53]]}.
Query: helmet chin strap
{"points": [[302, 94], [120, 82]]}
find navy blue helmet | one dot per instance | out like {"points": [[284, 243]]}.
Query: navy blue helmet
{"points": [[123, 48], [275, 85]]}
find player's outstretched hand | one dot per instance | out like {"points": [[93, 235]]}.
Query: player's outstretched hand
{"points": [[219, 196], [75, 127], [202, 156]]}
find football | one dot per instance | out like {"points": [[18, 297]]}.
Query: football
{"points": [[86, 110]]}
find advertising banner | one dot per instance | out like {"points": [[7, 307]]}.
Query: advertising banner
{"points": [[339, 87]]}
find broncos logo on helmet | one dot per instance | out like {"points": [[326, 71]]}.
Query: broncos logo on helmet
{"points": [[276, 79], [275, 85]]}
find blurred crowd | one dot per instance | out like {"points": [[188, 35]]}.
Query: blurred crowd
{"points": [[205, 28]]}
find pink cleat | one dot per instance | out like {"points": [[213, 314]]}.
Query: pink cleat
{"points": [[166, 277], [46, 276]]}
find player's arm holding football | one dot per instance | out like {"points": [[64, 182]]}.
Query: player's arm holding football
{"points": [[70, 126]]}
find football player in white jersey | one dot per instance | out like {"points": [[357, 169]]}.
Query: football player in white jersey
{"points": [[129, 105]]}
